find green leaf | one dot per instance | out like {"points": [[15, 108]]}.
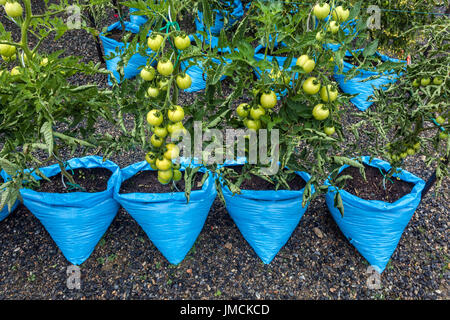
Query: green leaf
{"points": [[47, 131]]}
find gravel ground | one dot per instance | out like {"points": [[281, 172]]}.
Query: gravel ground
{"points": [[316, 263]]}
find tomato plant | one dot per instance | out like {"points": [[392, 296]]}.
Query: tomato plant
{"points": [[417, 115], [42, 113]]}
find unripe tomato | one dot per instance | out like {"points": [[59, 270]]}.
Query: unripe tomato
{"points": [[153, 166], [176, 127], [403, 155], [163, 164], [148, 73], [334, 26], [165, 67], [182, 42], [268, 99], [184, 81], [340, 14], [443, 135], [301, 61], [311, 85], [154, 117], [165, 175], [163, 181], [156, 141], [417, 146], [153, 92], [257, 112], [320, 112], [438, 81], [15, 71], [321, 11], [7, 50], [329, 130], [13, 9], [172, 151], [154, 42], [176, 115], [319, 36], [440, 120], [163, 84], [176, 166], [309, 66], [242, 110], [176, 175], [416, 83], [330, 95], [160, 131], [410, 151], [425, 81], [150, 157], [253, 124]]}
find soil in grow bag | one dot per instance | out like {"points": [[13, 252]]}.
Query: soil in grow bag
{"points": [[118, 35], [147, 182], [258, 184], [91, 180], [372, 188]]}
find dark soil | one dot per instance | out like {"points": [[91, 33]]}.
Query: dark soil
{"points": [[118, 35], [373, 188], [91, 180], [147, 182], [258, 183]]}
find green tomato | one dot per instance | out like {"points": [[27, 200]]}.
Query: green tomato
{"points": [[163, 84], [154, 117], [153, 92], [165, 175], [176, 175], [438, 81], [410, 151], [172, 152], [257, 112], [443, 135], [330, 95], [311, 85], [268, 99], [163, 164], [15, 71], [150, 157], [6, 50], [148, 73], [13, 9], [334, 27], [329, 131], [403, 155], [321, 11], [253, 124], [176, 114], [154, 42], [184, 81], [160, 131], [309, 66], [417, 146], [163, 181], [156, 141], [301, 61], [425, 81], [182, 42], [242, 110], [416, 83], [320, 112], [175, 127], [340, 14], [165, 67], [319, 36], [176, 166]]}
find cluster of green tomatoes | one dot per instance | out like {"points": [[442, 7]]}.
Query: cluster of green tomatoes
{"points": [[251, 115]]}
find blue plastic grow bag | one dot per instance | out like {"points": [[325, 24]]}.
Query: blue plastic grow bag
{"points": [[5, 211], [363, 89], [238, 12], [136, 62], [375, 227], [196, 71], [169, 221], [137, 19], [266, 219], [76, 221]]}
